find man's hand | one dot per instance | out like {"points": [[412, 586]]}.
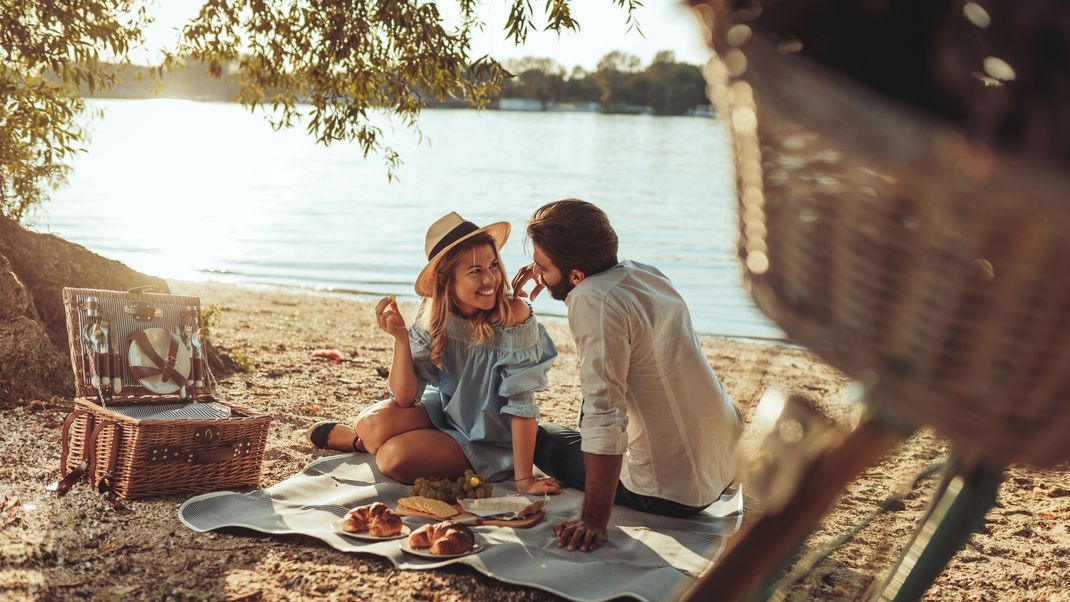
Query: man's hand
{"points": [[582, 535], [523, 276]]}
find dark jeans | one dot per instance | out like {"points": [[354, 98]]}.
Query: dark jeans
{"points": [[557, 453]]}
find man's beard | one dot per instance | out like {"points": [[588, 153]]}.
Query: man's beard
{"points": [[560, 290]]}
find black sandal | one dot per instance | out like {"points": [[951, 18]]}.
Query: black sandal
{"points": [[318, 434]]}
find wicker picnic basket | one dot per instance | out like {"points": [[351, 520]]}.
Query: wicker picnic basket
{"points": [[127, 436], [932, 268]]}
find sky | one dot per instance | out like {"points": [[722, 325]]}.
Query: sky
{"points": [[665, 24]]}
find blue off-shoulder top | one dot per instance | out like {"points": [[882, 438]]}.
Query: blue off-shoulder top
{"points": [[482, 386]]}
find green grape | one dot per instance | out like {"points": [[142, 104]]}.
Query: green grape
{"points": [[489, 488]]}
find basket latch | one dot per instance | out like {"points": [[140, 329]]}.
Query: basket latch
{"points": [[206, 433], [142, 312]]}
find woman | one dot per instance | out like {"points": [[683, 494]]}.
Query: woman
{"points": [[463, 377]]}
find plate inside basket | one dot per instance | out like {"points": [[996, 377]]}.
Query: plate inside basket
{"points": [[405, 530], [426, 553]]}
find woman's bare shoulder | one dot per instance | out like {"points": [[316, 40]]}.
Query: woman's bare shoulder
{"points": [[521, 311]]}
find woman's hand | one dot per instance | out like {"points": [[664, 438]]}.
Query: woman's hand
{"points": [[390, 319], [533, 486], [523, 276]]}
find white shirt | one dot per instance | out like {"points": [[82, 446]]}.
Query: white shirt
{"points": [[648, 391]]}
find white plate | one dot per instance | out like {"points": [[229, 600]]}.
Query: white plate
{"points": [[405, 530], [426, 552], [160, 339]]}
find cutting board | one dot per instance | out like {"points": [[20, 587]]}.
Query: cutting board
{"points": [[519, 523]]}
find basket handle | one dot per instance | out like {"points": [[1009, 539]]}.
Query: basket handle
{"points": [[139, 290], [62, 486], [104, 484]]}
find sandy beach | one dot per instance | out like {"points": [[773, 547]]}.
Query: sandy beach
{"points": [[82, 546]]}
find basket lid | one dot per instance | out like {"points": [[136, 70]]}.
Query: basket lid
{"points": [[134, 344]]}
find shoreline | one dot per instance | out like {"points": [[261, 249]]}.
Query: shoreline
{"points": [[81, 546], [372, 296]]}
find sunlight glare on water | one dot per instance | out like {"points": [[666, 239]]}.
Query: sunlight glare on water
{"points": [[194, 190]]}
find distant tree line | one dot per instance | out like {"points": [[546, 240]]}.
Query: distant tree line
{"points": [[322, 66], [666, 86], [618, 84]]}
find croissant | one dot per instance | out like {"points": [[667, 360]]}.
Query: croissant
{"points": [[364, 518], [387, 524], [443, 538], [354, 524], [373, 510]]}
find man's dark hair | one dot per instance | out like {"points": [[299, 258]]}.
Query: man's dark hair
{"points": [[575, 235]]}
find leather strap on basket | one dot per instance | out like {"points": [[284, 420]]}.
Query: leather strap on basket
{"points": [[164, 368], [64, 485], [105, 483], [162, 454]]}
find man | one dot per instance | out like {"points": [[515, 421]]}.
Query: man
{"points": [[657, 430]]}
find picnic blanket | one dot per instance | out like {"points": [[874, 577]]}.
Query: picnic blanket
{"points": [[647, 557]]}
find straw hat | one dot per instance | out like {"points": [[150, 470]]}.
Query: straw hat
{"points": [[447, 232]]}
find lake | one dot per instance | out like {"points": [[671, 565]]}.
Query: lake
{"points": [[208, 191]]}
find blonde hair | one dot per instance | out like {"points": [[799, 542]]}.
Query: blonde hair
{"points": [[436, 311]]}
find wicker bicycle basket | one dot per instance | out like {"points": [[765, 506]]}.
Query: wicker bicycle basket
{"points": [[120, 440], [934, 270]]}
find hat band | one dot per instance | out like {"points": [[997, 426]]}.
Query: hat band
{"points": [[457, 233]]}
